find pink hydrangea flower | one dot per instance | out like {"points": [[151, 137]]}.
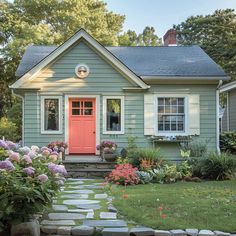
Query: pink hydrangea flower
{"points": [[57, 169], [35, 148], [46, 152], [42, 178], [14, 156], [27, 159]]}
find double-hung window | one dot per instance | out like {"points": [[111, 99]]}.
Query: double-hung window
{"points": [[171, 115], [51, 114], [113, 115]]}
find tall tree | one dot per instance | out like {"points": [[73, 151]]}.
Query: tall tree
{"points": [[147, 38], [215, 33], [48, 22]]}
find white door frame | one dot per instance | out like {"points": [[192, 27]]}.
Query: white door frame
{"points": [[66, 113]]}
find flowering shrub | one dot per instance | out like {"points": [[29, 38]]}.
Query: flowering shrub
{"points": [[123, 174], [107, 147], [29, 179], [58, 146]]}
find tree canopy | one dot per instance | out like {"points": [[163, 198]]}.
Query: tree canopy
{"points": [[147, 38], [215, 33]]}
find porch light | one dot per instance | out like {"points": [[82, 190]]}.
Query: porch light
{"points": [[82, 71]]}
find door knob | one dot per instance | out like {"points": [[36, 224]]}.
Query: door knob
{"points": [[94, 132]]}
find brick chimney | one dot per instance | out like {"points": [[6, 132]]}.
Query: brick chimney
{"points": [[170, 38]]}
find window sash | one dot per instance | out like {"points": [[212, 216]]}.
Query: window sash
{"points": [[167, 120], [44, 113], [118, 125]]}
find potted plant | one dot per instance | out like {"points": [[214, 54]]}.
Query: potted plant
{"points": [[108, 150], [59, 147]]}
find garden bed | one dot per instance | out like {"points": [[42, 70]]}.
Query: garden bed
{"points": [[206, 205]]}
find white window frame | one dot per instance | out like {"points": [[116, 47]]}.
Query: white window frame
{"points": [[43, 131], [122, 130], [186, 112]]}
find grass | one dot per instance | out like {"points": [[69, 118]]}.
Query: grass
{"points": [[207, 205]]}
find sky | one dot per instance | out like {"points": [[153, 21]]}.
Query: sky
{"points": [[162, 14]]}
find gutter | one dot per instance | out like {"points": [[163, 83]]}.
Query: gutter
{"points": [[217, 116], [23, 113]]}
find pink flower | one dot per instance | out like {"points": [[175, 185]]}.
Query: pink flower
{"points": [[27, 159], [42, 178], [46, 152], [14, 156], [35, 148]]}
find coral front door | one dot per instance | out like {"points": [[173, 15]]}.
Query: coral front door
{"points": [[82, 126]]}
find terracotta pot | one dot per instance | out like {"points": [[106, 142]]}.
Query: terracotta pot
{"points": [[109, 157]]}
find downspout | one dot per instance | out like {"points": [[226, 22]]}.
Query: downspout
{"points": [[217, 116], [227, 110], [23, 114]]}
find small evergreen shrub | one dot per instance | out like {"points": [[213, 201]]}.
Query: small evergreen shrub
{"points": [[196, 148], [228, 142]]}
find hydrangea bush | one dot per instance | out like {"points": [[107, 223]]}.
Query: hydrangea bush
{"points": [[29, 179]]}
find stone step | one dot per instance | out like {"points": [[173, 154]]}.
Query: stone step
{"points": [[87, 173]]}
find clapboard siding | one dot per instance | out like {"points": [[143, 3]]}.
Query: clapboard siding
{"points": [[104, 80], [232, 110]]}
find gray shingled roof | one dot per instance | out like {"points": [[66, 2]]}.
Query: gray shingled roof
{"points": [[183, 61]]}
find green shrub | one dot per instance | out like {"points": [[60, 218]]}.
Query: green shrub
{"points": [[185, 169], [9, 130], [196, 148], [144, 177], [228, 142], [215, 166]]}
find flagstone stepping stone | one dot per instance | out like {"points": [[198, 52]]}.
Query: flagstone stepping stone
{"points": [[192, 232], [107, 215], [75, 196], [90, 215], [74, 182], [64, 230], [58, 222], [142, 231], [205, 232], [105, 223], [74, 179], [65, 216], [81, 191], [111, 208], [59, 208], [89, 206], [82, 230], [162, 233], [178, 232], [80, 201], [115, 232], [100, 196], [80, 210], [49, 229]]}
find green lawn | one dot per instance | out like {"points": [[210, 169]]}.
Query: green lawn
{"points": [[206, 205]]}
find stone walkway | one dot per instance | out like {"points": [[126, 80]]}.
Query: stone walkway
{"points": [[81, 208]]}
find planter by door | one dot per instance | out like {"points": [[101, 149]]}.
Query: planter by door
{"points": [[109, 157], [82, 125]]}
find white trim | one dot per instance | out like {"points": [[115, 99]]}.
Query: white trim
{"points": [[186, 112], [228, 87], [227, 111], [122, 130], [217, 121], [66, 125], [59, 50], [59, 131], [23, 117]]}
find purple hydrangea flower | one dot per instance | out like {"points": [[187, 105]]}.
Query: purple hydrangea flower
{"points": [[42, 178], [6, 165], [62, 149], [29, 170], [60, 182], [11, 145], [35, 148], [54, 153], [55, 149], [57, 169], [24, 150], [3, 144], [32, 154]]}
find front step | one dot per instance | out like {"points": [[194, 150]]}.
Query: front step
{"points": [[88, 169]]}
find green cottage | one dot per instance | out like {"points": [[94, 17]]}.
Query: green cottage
{"points": [[82, 93]]}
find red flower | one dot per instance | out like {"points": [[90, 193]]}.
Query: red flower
{"points": [[163, 216], [125, 196], [160, 208]]}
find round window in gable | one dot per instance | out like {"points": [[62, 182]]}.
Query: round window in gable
{"points": [[82, 71]]}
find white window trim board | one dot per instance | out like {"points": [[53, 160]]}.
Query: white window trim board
{"points": [[122, 131], [66, 114], [186, 112], [60, 115]]}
